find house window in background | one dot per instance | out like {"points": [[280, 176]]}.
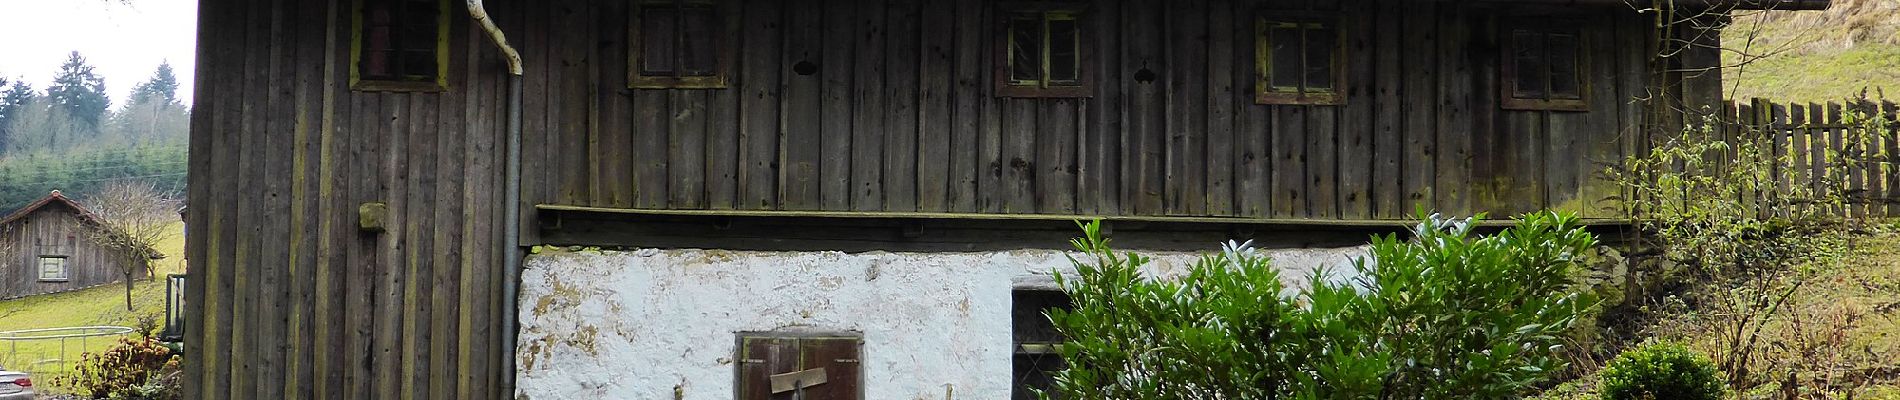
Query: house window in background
{"points": [[53, 269], [401, 45], [1042, 53], [1543, 66], [679, 44], [1299, 59]]}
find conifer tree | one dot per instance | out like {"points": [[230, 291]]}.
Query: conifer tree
{"points": [[80, 92]]}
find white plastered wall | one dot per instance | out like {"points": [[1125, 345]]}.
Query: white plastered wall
{"points": [[653, 324]]}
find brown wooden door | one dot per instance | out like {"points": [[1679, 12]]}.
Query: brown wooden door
{"points": [[794, 358]]}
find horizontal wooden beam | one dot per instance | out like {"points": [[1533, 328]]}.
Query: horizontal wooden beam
{"points": [[1287, 222]]}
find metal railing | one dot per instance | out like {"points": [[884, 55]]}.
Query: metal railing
{"points": [[50, 352]]}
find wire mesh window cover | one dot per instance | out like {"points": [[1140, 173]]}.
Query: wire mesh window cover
{"points": [[1300, 60], [401, 40], [1043, 54], [1544, 66], [1035, 354], [53, 269]]}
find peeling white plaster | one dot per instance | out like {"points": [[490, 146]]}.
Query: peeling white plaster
{"points": [[643, 324]]}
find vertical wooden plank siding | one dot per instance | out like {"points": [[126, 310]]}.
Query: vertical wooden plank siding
{"points": [[289, 298], [864, 105]]}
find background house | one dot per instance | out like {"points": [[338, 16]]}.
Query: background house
{"points": [[47, 247], [876, 183]]}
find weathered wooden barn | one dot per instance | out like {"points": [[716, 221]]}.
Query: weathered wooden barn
{"points": [[47, 247], [367, 175]]}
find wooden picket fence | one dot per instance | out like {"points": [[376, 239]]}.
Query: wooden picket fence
{"points": [[1828, 147]]}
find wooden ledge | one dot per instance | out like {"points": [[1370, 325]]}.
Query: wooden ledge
{"points": [[1286, 222]]}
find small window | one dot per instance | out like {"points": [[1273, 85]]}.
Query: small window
{"points": [[1036, 341], [53, 269], [800, 365], [1543, 66], [678, 44], [1300, 60], [401, 45], [1042, 54]]}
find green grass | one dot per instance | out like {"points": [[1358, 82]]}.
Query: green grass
{"points": [[99, 306]]}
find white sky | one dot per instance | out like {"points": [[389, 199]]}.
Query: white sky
{"points": [[124, 42]]}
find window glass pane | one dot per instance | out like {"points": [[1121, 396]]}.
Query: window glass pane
{"points": [[1285, 65], [1025, 50], [1035, 358], [1064, 59], [418, 37], [418, 64], [697, 55], [1528, 56], [1565, 80], [1320, 46], [656, 40], [376, 65]]}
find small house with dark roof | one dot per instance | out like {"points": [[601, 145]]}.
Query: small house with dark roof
{"points": [[47, 247]]}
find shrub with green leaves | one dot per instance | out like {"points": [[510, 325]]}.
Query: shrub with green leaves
{"points": [[1661, 370], [1444, 314]]}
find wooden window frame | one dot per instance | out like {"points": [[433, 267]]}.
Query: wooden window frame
{"points": [[65, 268], [742, 356], [1265, 92], [1085, 75], [1508, 69], [362, 84], [724, 47]]}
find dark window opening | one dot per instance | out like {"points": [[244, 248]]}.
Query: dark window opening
{"points": [[1036, 355], [1042, 54], [678, 45], [401, 42], [1300, 61], [1544, 69]]}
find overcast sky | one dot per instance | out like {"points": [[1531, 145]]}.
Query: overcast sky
{"points": [[126, 42]]}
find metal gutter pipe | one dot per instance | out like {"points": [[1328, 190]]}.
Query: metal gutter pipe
{"points": [[511, 199]]}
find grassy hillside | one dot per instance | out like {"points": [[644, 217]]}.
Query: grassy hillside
{"points": [[98, 306], [1813, 56]]}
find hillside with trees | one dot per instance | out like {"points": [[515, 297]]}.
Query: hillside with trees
{"points": [[69, 136]]}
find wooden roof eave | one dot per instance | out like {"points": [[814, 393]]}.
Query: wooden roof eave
{"points": [[1786, 5]]}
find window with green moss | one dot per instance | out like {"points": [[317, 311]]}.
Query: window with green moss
{"points": [[1042, 52], [1300, 59]]}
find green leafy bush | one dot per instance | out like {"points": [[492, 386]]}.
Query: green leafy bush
{"points": [[135, 369], [1445, 314], [1661, 370]]}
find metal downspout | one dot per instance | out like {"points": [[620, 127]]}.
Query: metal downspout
{"points": [[511, 199]]}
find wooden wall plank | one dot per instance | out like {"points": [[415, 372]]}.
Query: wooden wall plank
{"points": [[1388, 140], [801, 135], [868, 122], [1144, 141], [901, 57], [936, 69], [1220, 135], [1420, 99], [611, 110], [836, 113], [1253, 150], [969, 98], [1357, 118], [1452, 173], [1052, 168], [759, 108], [1019, 135], [1185, 27]]}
